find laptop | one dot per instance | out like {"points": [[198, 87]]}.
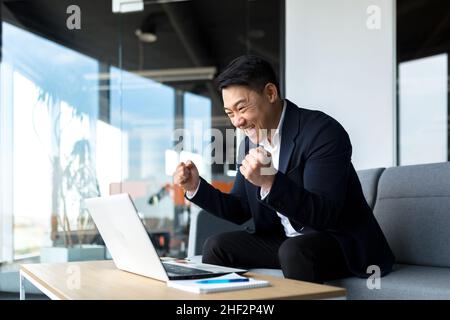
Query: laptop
{"points": [[132, 249]]}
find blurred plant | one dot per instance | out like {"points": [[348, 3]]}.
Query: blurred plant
{"points": [[73, 176], [79, 178]]}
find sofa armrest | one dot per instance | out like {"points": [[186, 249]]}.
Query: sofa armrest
{"points": [[369, 182], [203, 225]]}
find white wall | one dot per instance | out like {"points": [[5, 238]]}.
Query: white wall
{"points": [[341, 60]]}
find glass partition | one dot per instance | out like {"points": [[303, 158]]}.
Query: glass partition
{"points": [[54, 118], [93, 96]]}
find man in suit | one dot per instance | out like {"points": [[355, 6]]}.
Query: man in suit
{"points": [[297, 182]]}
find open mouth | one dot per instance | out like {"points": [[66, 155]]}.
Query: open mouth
{"points": [[250, 131]]}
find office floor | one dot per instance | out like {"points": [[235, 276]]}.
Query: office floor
{"points": [[15, 296]]}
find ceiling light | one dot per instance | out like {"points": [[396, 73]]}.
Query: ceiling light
{"points": [[147, 31], [146, 36]]}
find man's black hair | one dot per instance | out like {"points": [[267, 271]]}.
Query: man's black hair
{"points": [[248, 70]]}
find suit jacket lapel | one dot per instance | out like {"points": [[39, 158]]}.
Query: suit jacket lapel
{"points": [[289, 132]]}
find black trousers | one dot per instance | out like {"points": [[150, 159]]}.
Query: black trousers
{"points": [[314, 257]]}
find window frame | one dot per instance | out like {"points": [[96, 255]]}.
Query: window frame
{"points": [[6, 164]]}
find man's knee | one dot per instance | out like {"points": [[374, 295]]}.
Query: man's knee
{"points": [[290, 252], [214, 251], [211, 244], [295, 261]]}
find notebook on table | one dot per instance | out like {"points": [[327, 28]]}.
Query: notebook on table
{"points": [[228, 282]]}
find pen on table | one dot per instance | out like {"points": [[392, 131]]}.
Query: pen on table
{"points": [[222, 280]]}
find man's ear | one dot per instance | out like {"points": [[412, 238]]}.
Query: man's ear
{"points": [[271, 92]]}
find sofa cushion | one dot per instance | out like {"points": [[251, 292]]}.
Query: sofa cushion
{"points": [[413, 210], [369, 182], [404, 282]]}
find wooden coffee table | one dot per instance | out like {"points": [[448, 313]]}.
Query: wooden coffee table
{"points": [[102, 280]]}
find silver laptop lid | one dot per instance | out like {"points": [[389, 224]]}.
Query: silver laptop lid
{"points": [[125, 236]]}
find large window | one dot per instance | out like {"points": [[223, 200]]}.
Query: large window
{"points": [[423, 114], [144, 110], [54, 112], [94, 111], [423, 72]]}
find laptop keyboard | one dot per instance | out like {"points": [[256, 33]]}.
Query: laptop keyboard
{"points": [[180, 270]]}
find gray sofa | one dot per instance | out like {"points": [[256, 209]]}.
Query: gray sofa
{"points": [[412, 206]]}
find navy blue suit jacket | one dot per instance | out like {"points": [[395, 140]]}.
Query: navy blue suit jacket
{"points": [[316, 186]]}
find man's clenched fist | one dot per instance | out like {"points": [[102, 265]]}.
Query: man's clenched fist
{"points": [[257, 168], [186, 176]]}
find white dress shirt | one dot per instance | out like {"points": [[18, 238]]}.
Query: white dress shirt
{"points": [[274, 149]]}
